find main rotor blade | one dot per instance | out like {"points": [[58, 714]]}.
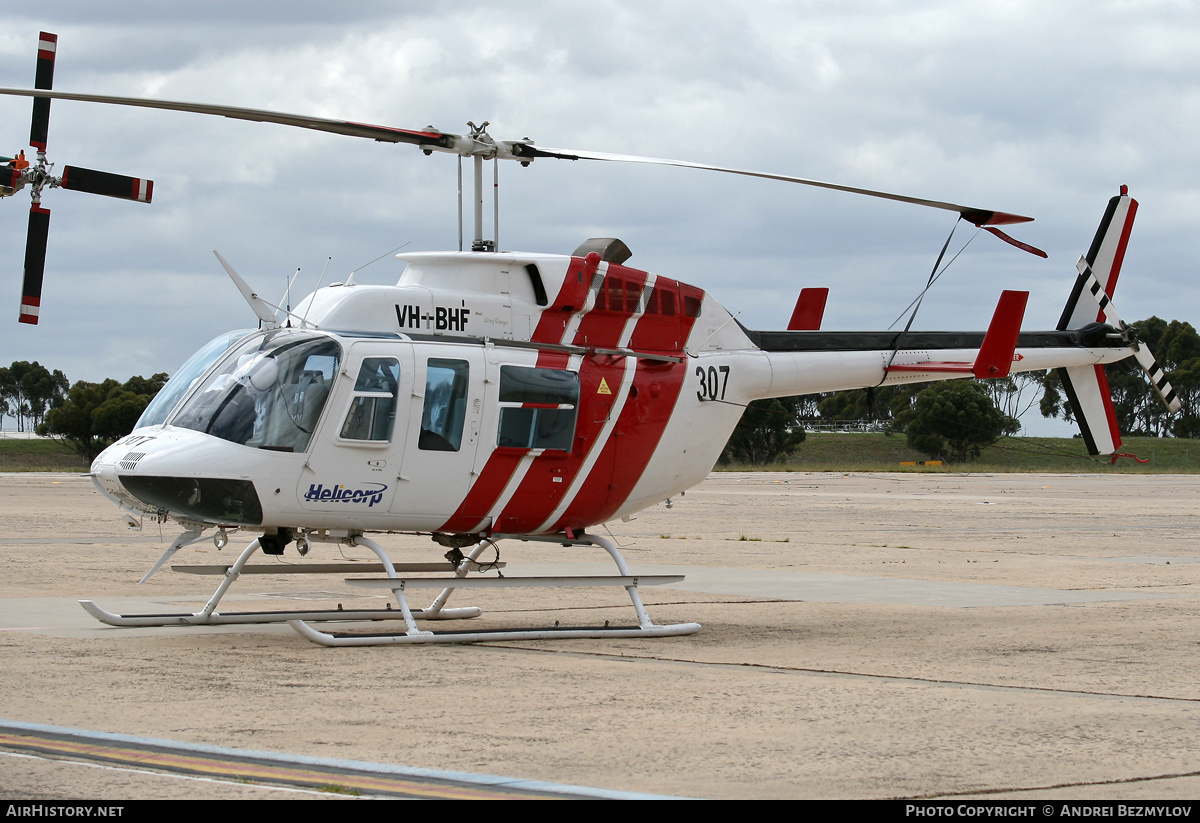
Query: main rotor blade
{"points": [[77, 178], [43, 79], [979, 217], [434, 140], [35, 264]]}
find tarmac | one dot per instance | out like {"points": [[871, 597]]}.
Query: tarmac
{"points": [[916, 635]]}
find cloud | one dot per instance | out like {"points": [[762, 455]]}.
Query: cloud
{"points": [[1017, 106]]}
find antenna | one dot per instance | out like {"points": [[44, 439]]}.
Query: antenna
{"points": [[350, 279], [286, 289], [313, 298], [260, 307], [287, 298]]}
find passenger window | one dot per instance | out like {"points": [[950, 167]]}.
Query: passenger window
{"points": [[537, 408], [445, 405], [372, 414], [668, 302]]}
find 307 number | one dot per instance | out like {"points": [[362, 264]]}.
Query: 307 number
{"points": [[713, 382]]}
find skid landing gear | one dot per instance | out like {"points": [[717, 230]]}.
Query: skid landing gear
{"points": [[393, 581], [645, 627]]}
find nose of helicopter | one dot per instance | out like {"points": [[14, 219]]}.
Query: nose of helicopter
{"points": [[181, 473]]}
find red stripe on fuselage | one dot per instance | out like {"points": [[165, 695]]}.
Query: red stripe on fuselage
{"points": [[639, 428], [572, 295], [501, 465], [496, 474], [658, 332], [600, 378], [603, 327], [484, 492], [644, 418], [552, 472]]}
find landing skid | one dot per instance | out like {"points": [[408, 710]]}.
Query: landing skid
{"points": [[645, 626], [490, 635], [234, 618]]}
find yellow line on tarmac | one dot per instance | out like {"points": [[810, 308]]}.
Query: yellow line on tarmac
{"points": [[330, 779]]}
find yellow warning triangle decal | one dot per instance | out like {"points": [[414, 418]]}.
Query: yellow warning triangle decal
{"points": [[604, 389]]}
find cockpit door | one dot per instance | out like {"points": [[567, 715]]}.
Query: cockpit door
{"points": [[356, 453]]}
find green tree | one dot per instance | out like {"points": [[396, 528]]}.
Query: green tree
{"points": [[879, 403], [768, 431], [29, 390], [1018, 393], [955, 420], [96, 415]]}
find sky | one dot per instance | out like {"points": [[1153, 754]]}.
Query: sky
{"points": [[1043, 109]]}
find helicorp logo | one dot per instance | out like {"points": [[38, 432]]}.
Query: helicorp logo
{"points": [[368, 493]]}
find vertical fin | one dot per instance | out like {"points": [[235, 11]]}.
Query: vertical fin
{"points": [[1087, 386], [810, 308], [1091, 403], [1104, 258]]}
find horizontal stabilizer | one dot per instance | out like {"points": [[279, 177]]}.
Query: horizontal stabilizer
{"points": [[995, 353]]}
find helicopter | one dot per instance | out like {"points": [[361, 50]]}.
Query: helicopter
{"points": [[495, 395]]}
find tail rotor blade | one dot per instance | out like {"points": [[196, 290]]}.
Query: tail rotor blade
{"points": [[35, 264], [9, 180], [44, 79], [1158, 377], [110, 185]]}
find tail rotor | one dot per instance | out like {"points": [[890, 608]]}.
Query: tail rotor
{"points": [[1158, 377]]}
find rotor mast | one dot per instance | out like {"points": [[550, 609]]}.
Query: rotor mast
{"points": [[479, 146]]}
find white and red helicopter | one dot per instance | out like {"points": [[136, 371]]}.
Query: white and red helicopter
{"points": [[494, 395]]}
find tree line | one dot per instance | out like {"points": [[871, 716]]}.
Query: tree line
{"points": [[88, 417], [955, 420]]}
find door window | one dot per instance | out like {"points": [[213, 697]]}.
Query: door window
{"points": [[445, 405], [372, 415]]}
